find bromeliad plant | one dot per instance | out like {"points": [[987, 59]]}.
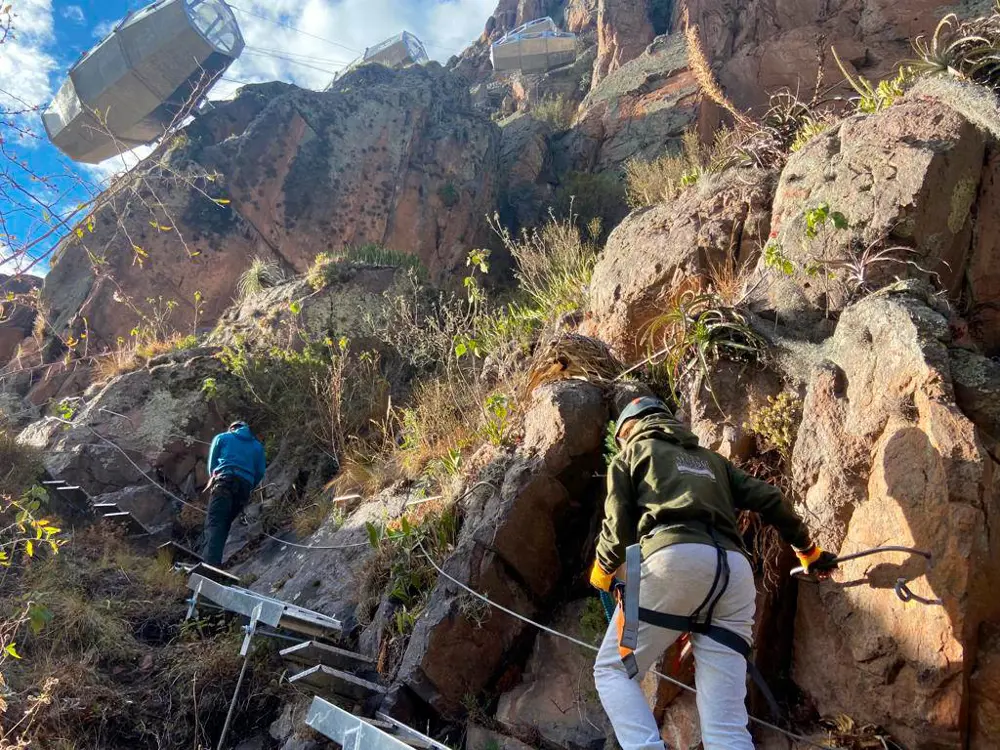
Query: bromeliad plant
{"points": [[695, 332], [965, 49]]}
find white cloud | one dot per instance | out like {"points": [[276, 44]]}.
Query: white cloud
{"points": [[109, 168], [337, 32], [74, 13], [104, 28], [26, 66]]}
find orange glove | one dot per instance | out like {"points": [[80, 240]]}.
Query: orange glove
{"points": [[599, 578], [815, 558]]}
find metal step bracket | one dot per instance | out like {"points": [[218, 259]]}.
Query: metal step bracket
{"points": [[354, 733], [251, 630], [273, 612]]}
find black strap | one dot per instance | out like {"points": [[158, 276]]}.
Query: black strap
{"points": [[720, 635]]}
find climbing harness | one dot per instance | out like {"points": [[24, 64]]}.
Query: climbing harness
{"points": [[698, 622], [590, 647], [900, 587]]}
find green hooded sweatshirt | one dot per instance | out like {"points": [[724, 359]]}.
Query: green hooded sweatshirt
{"points": [[664, 489]]}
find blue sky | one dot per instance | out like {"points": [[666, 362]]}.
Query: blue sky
{"points": [[299, 41]]}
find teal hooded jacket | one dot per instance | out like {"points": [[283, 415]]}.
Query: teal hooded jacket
{"points": [[237, 453]]}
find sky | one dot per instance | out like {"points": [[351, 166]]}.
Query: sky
{"points": [[298, 41]]}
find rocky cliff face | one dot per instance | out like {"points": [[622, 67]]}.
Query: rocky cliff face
{"points": [[395, 158], [825, 317]]}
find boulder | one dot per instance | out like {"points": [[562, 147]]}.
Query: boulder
{"points": [[906, 177], [478, 738], [514, 547], [623, 30], [723, 218], [557, 698], [638, 111], [977, 389], [399, 158], [152, 422], [338, 309], [907, 468]]}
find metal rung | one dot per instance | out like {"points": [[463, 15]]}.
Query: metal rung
{"points": [[105, 508], [354, 733], [55, 483], [310, 653], [329, 680], [215, 574], [275, 613]]}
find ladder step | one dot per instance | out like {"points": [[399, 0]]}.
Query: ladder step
{"points": [[215, 574], [354, 733], [329, 680], [53, 483], [274, 612], [105, 508], [310, 653]]}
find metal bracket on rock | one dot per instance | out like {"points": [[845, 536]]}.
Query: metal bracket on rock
{"points": [[900, 588]]}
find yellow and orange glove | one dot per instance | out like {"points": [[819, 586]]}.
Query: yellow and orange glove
{"points": [[600, 579], [815, 559]]}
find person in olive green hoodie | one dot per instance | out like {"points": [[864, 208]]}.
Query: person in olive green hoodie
{"points": [[679, 502]]}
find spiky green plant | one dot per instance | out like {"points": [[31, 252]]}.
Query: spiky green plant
{"points": [[260, 275], [965, 49], [697, 330]]}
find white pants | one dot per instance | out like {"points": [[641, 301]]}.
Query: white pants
{"points": [[676, 580]]}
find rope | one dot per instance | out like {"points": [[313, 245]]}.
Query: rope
{"points": [[595, 649], [316, 546]]}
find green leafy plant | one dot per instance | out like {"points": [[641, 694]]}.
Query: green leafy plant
{"points": [[448, 194], [816, 219], [875, 98], [498, 428], [775, 258], [611, 447], [967, 49], [66, 409]]}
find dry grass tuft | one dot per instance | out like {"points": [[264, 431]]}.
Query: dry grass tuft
{"points": [[572, 356], [129, 673]]}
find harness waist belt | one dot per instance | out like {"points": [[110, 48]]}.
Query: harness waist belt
{"points": [[632, 614]]}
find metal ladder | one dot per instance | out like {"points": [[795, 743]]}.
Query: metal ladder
{"points": [[79, 498], [317, 667]]}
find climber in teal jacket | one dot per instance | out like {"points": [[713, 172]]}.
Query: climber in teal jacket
{"points": [[235, 466]]}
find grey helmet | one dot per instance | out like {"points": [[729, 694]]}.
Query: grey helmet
{"points": [[640, 407]]}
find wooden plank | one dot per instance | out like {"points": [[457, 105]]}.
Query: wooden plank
{"points": [[311, 653], [326, 680]]}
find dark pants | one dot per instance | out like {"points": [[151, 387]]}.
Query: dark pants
{"points": [[229, 496]]}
